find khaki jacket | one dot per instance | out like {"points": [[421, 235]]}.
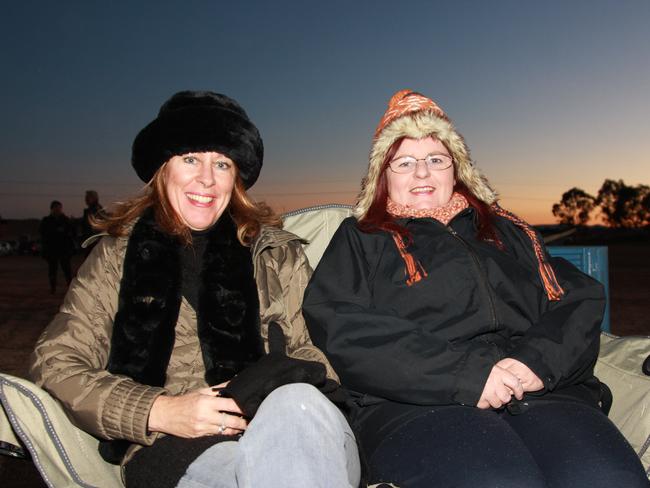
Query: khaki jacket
{"points": [[70, 357]]}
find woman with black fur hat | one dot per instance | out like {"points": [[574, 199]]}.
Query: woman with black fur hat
{"points": [[183, 332], [468, 349]]}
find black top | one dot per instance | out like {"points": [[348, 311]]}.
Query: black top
{"points": [[57, 236], [191, 265], [435, 342]]}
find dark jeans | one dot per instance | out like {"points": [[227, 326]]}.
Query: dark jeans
{"points": [[551, 445], [53, 265]]}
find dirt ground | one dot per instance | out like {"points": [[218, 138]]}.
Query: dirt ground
{"points": [[26, 307]]}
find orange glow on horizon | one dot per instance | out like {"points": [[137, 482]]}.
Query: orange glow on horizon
{"points": [[534, 212]]}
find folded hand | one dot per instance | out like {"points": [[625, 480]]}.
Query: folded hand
{"points": [[499, 388], [529, 380]]}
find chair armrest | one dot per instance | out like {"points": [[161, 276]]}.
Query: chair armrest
{"points": [[619, 366], [63, 454]]}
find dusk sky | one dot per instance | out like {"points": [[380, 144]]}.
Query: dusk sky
{"points": [[549, 95]]}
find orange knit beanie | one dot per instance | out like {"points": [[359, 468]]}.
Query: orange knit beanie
{"points": [[405, 102]]}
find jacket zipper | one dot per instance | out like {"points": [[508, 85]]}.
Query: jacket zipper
{"points": [[482, 275]]}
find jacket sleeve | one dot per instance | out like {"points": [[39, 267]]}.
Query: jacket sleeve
{"points": [[70, 356], [380, 353], [562, 347], [282, 279]]}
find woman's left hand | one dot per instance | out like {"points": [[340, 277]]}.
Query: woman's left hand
{"points": [[499, 389], [196, 414], [529, 380]]}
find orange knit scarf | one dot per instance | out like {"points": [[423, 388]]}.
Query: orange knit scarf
{"points": [[444, 214]]}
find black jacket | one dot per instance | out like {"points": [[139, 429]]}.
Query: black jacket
{"points": [[57, 236], [435, 342]]}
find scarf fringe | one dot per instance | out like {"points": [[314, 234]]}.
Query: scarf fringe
{"points": [[553, 289], [414, 269]]}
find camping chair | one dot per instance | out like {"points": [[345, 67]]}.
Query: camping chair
{"points": [[33, 424]]}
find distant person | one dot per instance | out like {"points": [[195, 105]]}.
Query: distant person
{"points": [[181, 343], [469, 350], [57, 243], [92, 212]]}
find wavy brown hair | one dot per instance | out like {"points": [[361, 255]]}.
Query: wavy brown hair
{"points": [[249, 216]]}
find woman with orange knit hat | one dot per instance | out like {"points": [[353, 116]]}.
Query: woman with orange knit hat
{"points": [[468, 350]]}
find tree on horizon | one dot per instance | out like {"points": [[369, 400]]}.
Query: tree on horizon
{"points": [[620, 205], [575, 207], [624, 206]]}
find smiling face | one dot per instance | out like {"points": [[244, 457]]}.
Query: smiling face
{"points": [[199, 187], [423, 188]]}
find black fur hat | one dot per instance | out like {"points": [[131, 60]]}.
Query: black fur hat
{"points": [[199, 121]]}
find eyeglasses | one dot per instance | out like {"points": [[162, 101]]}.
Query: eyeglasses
{"points": [[408, 164]]}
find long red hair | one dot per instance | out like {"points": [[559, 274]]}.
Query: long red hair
{"points": [[377, 217]]}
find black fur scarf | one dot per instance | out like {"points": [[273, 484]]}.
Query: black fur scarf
{"points": [[150, 298]]}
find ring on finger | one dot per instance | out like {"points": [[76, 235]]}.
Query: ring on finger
{"points": [[222, 427]]}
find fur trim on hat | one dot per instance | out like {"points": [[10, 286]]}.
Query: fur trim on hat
{"points": [[199, 121], [419, 125]]}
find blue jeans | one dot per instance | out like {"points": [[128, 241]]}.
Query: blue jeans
{"points": [[298, 438]]}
